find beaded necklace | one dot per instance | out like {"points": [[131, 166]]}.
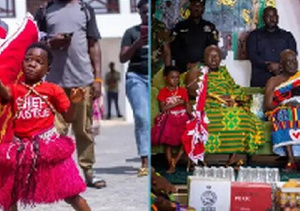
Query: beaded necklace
{"points": [[171, 91]]}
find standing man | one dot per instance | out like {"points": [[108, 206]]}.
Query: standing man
{"points": [[264, 46], [73, 36], [134, 48], [112, 80], [192, 36]]}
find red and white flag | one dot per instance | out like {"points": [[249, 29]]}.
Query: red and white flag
{"points": [[196, 134]]}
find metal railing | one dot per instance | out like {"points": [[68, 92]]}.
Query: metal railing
{"points": [[104, 6], [133, 6], [110, 6], [7, 9]]}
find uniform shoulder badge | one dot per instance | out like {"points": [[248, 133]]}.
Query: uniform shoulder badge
{"points": [[207, 28], [216, 35], [184, 30]]}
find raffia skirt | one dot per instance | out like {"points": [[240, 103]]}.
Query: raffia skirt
{"points": [[38, 170]]}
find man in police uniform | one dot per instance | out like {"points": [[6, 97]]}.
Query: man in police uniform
{"points": [[192, 36]]}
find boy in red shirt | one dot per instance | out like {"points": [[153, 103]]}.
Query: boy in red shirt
{"points": [[38, 162]]}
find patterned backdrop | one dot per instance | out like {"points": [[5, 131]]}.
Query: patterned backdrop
{"points": [[234, 19]]}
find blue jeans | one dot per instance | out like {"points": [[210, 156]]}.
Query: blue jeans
{"points": [[138, 95]]}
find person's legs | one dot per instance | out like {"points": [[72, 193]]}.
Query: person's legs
{"points": [[170, 160], [116, 99], [12, 208], [144, 161], [82, 127], [231, 159], [137, 93], [179, 154], [109, 99], [78, 203], [168, 153], [290, 154], [236, 164], [291, 165]]}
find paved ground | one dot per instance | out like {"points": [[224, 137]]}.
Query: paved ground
{"points": [[117, 162]]}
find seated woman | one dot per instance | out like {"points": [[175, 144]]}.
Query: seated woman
{"points": [[282, 100], [232, 128]]}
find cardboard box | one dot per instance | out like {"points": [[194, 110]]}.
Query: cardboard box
{"points": [[205, 195], [250, 196]]}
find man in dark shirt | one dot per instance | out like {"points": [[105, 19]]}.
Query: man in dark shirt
{"points": [[264, 46], [134, 48], [192, 36]]}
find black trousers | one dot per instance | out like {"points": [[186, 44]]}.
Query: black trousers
{"points": [[113, 96]]}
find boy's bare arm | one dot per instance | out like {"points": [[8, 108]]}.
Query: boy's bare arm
{"points": [[77, 95], [4, 93]]}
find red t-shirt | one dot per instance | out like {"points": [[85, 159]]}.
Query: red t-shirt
{"points": [[165, 95], [35, 115]]}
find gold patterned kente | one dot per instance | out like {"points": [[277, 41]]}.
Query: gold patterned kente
{"points": [[229, 3]]}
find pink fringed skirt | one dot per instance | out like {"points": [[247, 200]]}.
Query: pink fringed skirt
{"points": [[38, 170], [168, 128]]}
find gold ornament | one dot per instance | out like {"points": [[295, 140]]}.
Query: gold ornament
{"points": [[229, 3]]}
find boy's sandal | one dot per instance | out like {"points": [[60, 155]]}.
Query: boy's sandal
{"points": [[96, 182], [143, 172]]}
